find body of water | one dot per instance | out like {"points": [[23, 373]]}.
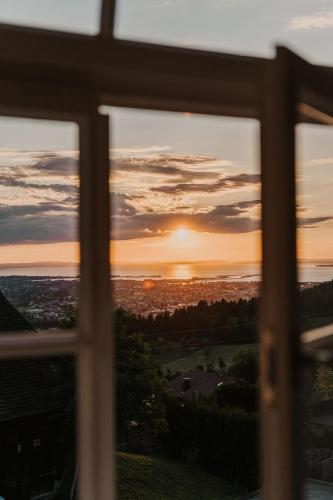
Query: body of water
{"points": [[53, 271], [196, 270], [210, 270], [217, 270]]}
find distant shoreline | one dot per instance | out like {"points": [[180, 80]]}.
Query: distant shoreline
{"points": [[312, 272], [29, 265]]}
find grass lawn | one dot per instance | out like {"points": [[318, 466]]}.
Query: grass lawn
{"points": [[182, 360], [143, 477]]}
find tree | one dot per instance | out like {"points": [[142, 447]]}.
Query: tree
{"points": [[221, 363], [245, 365], [238, 395], [221, 440], [140, 386]]}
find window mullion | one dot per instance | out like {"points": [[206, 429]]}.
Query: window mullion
{"points": [[281, 450], [108, 10], [96, 447]]}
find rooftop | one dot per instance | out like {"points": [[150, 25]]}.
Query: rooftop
{"points": [[23, 382]]}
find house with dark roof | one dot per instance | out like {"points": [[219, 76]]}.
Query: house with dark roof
{"points": [[27, 440], [10, 319]]}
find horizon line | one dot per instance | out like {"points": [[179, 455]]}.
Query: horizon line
{"points": [[4, 265]]}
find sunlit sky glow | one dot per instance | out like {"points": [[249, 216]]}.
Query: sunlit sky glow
{"points": [[243, 26], [185, 187]]}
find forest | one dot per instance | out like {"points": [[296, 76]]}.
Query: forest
{"points": [[230, 320]]}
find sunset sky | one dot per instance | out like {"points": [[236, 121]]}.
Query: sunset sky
{"points": [[242, 26], [185, 187]]}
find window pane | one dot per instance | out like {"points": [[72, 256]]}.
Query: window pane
{"points": [[37, 428], [185, 274], [80, 16], [39, 251], [231, 25], [315, 264]]}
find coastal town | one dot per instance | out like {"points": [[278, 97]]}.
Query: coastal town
{"points": [[51, 302]]}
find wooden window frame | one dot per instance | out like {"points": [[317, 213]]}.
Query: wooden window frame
{"points": [[52, 75]]}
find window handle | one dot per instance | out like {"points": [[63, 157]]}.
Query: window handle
{"points": [[268, 369]]}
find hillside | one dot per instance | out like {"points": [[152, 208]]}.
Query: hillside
{"points": [[149, 478]]}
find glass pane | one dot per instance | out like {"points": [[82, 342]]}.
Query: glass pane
{"points": [[185, 274], [315, 264], [315, 223], [240, 26], [39, 251], [79, 16], [37, 428]]}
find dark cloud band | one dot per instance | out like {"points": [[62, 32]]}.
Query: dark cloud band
{"points": [[229, 182]]}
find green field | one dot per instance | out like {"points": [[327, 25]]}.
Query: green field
{"points": [[149, 478], [183, 360]]}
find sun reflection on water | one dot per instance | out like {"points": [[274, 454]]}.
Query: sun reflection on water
{"points": [[181, 271]]}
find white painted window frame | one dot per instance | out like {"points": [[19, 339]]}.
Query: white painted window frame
{"points": [[50, 75], [91, 343]]}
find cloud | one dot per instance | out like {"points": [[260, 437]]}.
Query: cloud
{"points": [[11, 212], [10, 181], [50, 221], [170, 165], [120, 205], [38, 229], [228, 182], [45, 222], [312, 222], [320, 20], [147, 150], [235, 208], [46, 210], [57, 165], [223, 219], [231, 218]]}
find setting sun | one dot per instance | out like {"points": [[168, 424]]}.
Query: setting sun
{"points": [[183, 240], [182, 233]]}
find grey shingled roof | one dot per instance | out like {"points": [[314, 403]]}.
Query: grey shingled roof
{"points": [[10, 319], [23, 382]]}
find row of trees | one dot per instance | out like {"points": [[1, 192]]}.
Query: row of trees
{"points": [[226, 319], [317, 299], [220, 319]]}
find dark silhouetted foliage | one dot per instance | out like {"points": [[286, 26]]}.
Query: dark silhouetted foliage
{"points": [[245, 365], [239, 395], [221, 440]]}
